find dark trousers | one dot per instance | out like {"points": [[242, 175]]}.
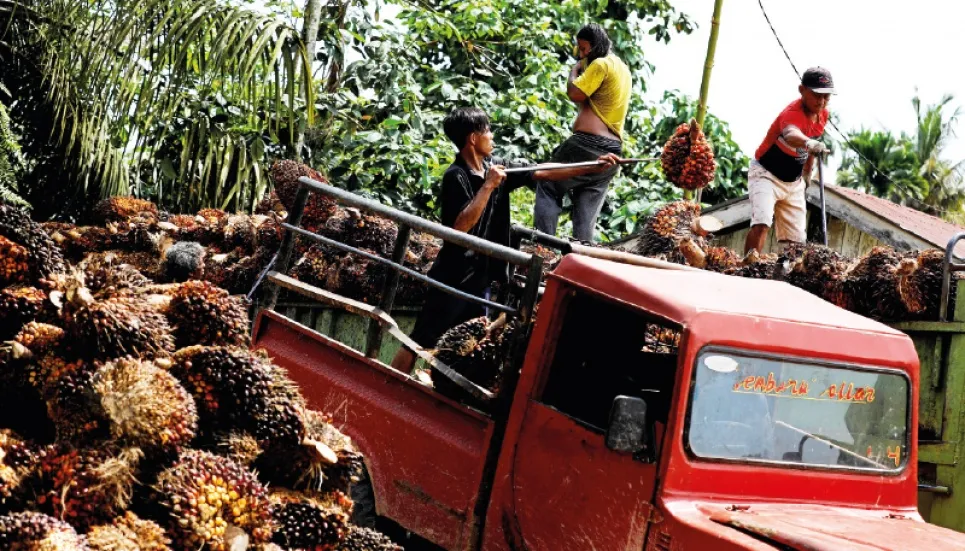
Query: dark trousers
{"points": [[440, 313], [587, 192]]}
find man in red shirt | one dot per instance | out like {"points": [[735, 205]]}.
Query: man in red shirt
{"points": [[774, 180]]}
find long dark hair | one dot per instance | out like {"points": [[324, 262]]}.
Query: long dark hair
{"points": [[598, 39]]}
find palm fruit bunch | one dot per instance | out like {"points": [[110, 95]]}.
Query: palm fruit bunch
{"points": [[45, 256], [18, 458], [661, 340], [669, 225], [14, 263], [318, 208], [872, 285], [78, 241], [366, 539], [316, 265], [270, 204], [240, 232], [86, 486], [144, 405], [128, 532], [32, 531], [715, 259], [762, 266], [19, 305], [551, 258], [122, 209], [67, 394], [116, 326], [352, 227], [819, 270], [476, 349], [212, 502], [202, 313], [325, 462], [305, 523], [238, 389], [687, 159], [105, 273], [920, 283]]}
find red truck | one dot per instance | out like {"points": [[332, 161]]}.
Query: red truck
{"points": [[774, 421]]}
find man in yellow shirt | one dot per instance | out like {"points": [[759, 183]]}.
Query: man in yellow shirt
{"points": [[600, 85]]}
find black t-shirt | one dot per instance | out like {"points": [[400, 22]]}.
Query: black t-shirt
{"points": [[457, 266]]}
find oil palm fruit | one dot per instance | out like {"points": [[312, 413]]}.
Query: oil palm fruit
{"points": [[213, 502], [668, 226], [14, 263], [45, 256], [116, 326], [305, 523], [122, 209], [202, 313], [144, 405], [687, 159], [32, 531], [366, 539], [86, 486], [128, 532]]}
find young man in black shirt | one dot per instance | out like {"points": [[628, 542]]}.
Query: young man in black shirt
{"points": [[475, 198]]}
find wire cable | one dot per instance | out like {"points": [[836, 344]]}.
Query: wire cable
{"points": [[910, 195]]}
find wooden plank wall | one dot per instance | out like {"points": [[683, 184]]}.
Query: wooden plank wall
{"points": [[842, 237]]}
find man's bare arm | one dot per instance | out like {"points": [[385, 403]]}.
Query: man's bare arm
{"points": [[572, 91], [473, 211]]}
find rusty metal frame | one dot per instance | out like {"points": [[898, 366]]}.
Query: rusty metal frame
{"points": [[380, 320], [949, 266]]}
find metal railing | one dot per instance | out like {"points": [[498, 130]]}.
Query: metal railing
{"points": [[380, 321], [948, 267]]}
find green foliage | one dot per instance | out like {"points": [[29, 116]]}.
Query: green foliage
{"points": [[910, 170], [11, 161], [146, 95], [381, 133]]}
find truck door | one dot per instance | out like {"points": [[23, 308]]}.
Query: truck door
{"points": [[570, 491]]}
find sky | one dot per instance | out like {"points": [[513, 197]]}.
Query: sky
{"points": [[878, 52]]}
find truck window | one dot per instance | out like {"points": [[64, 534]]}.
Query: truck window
{"points": [[761, 408], [605, 349]]}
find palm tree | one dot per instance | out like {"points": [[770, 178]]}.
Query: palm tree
{"points": [[936, 126], [883, 165], [183, 101]]}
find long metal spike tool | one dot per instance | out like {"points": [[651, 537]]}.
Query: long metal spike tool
{"points": [[824, 209], [562, 166]]}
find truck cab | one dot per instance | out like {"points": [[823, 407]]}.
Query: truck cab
{"points": [[649, 409]]}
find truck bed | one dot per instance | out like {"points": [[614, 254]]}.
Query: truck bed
{"points": [[424, 453]]}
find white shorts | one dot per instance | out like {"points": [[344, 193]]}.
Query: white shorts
{"points": [[776, 202]]}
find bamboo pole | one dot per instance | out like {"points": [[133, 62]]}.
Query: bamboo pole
{"points": [[708, 67]]}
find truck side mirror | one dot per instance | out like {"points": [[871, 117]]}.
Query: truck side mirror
{"points": [[627, 430]]}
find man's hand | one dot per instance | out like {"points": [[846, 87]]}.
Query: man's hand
{"points": [[608, 160], [816, 148], [495, 177]]}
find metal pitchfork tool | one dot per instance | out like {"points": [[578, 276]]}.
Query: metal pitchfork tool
{"points": [[561, 166]]}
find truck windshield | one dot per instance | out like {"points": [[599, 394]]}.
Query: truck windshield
{"points": [[770, 409]]}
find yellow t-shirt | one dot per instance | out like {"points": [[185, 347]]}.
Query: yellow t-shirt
{"points": [[606, 82]]}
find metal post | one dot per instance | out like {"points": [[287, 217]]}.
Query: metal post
{"points": [[287, 246], [824, 208], [374, 337]]}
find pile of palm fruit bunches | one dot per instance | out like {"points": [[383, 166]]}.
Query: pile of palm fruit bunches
{"points": [[134, 417], [884, 284]]}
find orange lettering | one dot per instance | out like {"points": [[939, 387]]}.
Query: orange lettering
{"points": [[749, 383], [846, 395], [759, 383], [831, 392], [859, 395], [771, 384], [871, 395], [896, 455]]}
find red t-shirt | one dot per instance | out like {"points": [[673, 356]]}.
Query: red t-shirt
{"points": [[779, 158]]}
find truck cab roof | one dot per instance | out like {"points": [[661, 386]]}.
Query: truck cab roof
{"points": [[680, 296]]}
